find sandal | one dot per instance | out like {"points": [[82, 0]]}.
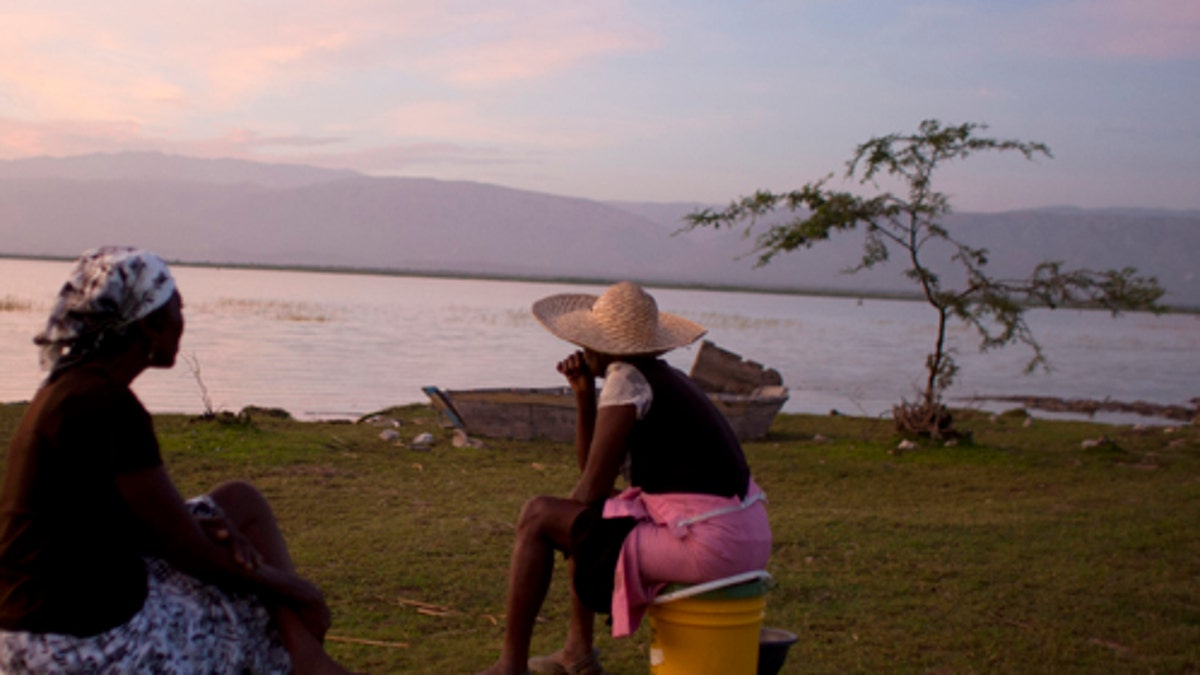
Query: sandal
{"points": [[588, 665]]}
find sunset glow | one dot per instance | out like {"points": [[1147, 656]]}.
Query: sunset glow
{"points": [[653, 101]]}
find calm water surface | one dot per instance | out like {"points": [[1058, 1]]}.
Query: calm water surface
{"points": [[339, 345]]}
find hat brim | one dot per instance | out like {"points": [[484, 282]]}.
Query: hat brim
{"points": [[569, 316]]}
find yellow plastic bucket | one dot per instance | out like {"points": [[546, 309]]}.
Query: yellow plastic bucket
{"points": [[712, 631]]}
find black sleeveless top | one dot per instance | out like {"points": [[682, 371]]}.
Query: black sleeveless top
{"points": [[70, 550], [684, 444]]}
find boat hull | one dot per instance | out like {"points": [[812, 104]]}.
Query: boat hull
{"points": [[549, 413]]}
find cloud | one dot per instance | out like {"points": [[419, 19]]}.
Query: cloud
{"points": [[20, 138], [507, 45], [406, 158], [469, 121], [241, 71], [53, 65], [60, 138], [117, 58], [152, 73], [1120, 29]]}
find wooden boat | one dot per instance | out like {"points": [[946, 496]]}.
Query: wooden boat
{"points": [[748, 394]]}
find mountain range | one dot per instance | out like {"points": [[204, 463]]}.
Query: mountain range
{"points": [[226, 211]]}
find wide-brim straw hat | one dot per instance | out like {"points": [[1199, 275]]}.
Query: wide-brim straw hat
{"points": [[624, 321]]}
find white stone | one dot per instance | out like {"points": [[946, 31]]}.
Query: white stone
{"points": [[382, 421], [462, 440]]}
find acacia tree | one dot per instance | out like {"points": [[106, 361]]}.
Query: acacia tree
{"points": [[910, 225]]}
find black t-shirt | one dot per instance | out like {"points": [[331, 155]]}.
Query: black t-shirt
{"points": [[70, 549], [684, 444]]}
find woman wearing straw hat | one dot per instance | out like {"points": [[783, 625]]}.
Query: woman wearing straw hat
{"points": [[692, 512], [103, 566]]}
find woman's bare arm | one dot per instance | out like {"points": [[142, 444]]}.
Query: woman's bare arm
{"points": [[613, 424], [583, 382], [226, 561]]}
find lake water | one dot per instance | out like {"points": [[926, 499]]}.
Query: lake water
{"points": [[341, 345]]}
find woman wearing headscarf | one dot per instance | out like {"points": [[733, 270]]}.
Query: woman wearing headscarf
{"points": [[104, 568], [691, 513]]}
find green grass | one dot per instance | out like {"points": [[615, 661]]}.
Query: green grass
{"points": [[1021, 552]]}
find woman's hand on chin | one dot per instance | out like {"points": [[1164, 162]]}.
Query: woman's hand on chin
{"points": [[579, 376]]}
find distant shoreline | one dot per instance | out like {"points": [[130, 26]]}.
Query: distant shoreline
{"points": [[552, 279], [495, 276]]}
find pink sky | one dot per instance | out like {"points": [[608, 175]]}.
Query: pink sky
{"points": [[661, 101]]}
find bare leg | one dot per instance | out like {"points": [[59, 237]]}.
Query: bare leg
{"points": [[249, 512], [580, 631], [545, 525]]}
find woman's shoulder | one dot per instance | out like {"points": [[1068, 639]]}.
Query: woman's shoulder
{"points": [[625, 384], [83, 379], [623, 370], [88, 388]]}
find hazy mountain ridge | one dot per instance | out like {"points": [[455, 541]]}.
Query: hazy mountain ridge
{"points": [[157, 166], [231, 211]]}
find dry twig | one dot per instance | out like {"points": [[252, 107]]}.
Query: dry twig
{"points": [[369, 643], [425, 607]]}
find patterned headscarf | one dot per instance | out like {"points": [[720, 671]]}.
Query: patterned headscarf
{"points": [[110, 288]]}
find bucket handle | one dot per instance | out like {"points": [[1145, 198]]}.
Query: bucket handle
{"points": [[712, 586]]}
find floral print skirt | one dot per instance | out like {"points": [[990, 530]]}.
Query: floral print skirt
{"points": [[185, 626]]}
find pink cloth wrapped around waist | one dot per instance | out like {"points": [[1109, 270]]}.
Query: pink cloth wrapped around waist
{"points": [[683, 538]]}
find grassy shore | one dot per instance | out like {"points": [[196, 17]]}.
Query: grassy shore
{"points": [[1022, 552]]}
